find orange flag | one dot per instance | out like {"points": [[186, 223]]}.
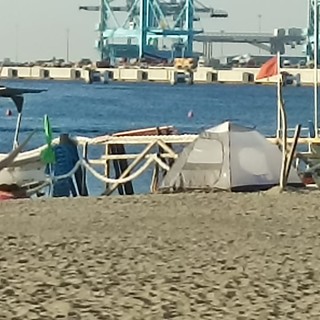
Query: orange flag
{"points": [[268, 69]]}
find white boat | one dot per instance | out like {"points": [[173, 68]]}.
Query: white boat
{"points": [[26, 169]]}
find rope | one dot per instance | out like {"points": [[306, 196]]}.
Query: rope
{"points": [[51, 180], [120, 181], [32, 191], [104, 179], [68, 174]]}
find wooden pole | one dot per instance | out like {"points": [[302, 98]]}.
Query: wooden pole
{"points": [[116, 170], [107, 165], [133, 164], [84, 171], [292, 151], [284, 129], [123, 164], [155, 179]]}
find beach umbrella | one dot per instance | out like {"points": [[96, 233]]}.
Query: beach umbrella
{"points": [[48, 155]]}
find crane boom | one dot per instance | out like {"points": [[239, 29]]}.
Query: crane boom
{"points": [[90, 8]]}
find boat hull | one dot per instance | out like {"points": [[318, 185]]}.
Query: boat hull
{"points": [[26, 170]]}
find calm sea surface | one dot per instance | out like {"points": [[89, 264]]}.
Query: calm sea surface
{"points": [[91, 110]]}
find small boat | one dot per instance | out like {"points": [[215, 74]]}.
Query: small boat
{"points": [[154, 131], [26, 170]]}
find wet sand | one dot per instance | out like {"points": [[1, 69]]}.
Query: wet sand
{"points": [[193, 256]]}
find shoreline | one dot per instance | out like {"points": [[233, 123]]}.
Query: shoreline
{"points": [[200, 75], [229, 83]]}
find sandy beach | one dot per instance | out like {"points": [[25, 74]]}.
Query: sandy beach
{"points": [[192, 256]]}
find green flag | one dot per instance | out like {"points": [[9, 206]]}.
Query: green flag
{"points": [[48, 155]]}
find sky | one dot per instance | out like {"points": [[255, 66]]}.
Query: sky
{"points": [[37, 29]]}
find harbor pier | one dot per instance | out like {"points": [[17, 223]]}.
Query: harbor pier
{"points": [[206, 75]]}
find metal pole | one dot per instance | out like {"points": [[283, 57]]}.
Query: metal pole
{"points": [[143, 27], [222, 31], [102, 28], [17, 131], [316, 50], [16, 43], [278, 97], [68, 44], [259, 27], [189, 25], [205, 49]]}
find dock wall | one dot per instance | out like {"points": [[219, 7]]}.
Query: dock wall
{"points": [[37, 73], [152, 74]]}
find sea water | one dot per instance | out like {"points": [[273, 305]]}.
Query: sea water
{"points": [[91, 110]]}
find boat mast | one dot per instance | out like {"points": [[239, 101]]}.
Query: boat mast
{"points": [[279, 118]]}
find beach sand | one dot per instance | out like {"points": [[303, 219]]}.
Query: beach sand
{"points": [[187, 256]]}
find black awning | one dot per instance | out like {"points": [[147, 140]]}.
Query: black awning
{"points": [[16, 94]]}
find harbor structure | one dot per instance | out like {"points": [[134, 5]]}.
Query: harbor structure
{"points": [[146, 22], [313, 28], [245, 75], [149, 23]]}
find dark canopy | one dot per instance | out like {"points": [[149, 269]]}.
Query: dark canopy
{"points": [[16, 94]]}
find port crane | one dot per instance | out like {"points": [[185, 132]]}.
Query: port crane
{"points": [[146, 22]]}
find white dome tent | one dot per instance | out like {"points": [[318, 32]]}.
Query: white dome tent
{"points": [[228, 157]]}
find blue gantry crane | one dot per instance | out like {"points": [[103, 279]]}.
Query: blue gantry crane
{"points": [[146, 22], [313, 21]]}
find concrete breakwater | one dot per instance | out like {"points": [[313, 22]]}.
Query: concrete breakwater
{"points": [[153, 74]]}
